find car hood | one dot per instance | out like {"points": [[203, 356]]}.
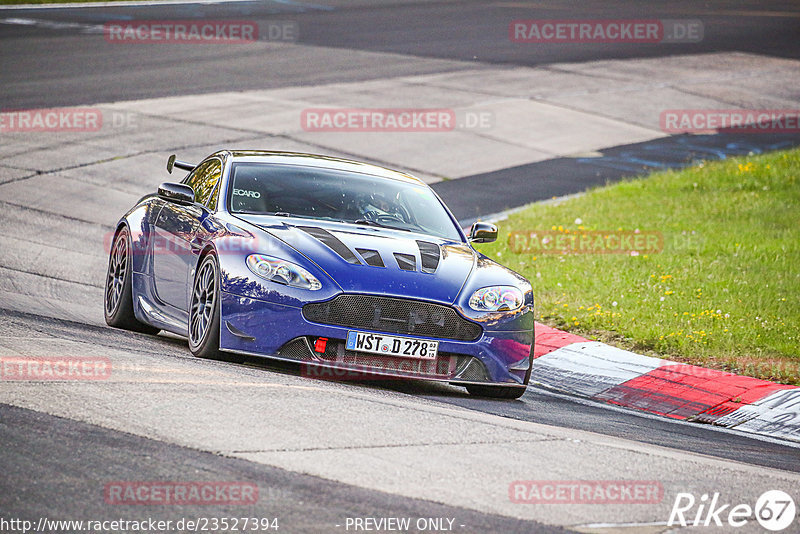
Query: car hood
{"points": [[378, 260]]}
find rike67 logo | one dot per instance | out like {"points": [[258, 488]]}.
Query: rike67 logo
{"points": [[774, 510]]}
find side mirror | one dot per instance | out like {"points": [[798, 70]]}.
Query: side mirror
{"points": [[170, 163], [178, 193], [482, 232]]}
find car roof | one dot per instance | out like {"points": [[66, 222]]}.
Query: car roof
{"points": [[316, 160]]}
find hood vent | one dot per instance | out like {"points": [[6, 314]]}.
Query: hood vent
{"points": [[430, 254], [407, 262], [332, 242], [372, 257]]}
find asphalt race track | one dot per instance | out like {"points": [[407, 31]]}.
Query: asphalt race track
{"points": [[324, 452], [38, 70]]}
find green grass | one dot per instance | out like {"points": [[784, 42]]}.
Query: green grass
{"points": [[722, 293]]}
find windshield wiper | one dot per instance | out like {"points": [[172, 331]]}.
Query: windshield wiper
{"points": [[275, 214], [368, 222]]}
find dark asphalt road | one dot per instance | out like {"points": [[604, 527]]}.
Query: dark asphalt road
{"points": [[479, 195], [537, 405], [38, 483], [56, 466], [44, 66]]}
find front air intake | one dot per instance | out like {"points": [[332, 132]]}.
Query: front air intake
{"points": [[407, 262], [372, 257], [332, 242], [393, 315], [430, 254]]}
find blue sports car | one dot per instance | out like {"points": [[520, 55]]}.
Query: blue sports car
{"points": [[331, 263]]}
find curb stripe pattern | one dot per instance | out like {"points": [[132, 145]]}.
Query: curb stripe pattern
{"points": [[591, 369]]}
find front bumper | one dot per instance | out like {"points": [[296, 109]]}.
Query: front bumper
{"points": [[501, 355]]}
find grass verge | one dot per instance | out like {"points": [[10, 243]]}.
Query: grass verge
{"points": [[713, 279]]}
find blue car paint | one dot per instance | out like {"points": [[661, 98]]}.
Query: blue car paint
{"points": [[270, 314]]}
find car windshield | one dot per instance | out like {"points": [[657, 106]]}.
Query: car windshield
{"points": [[336, 195]]}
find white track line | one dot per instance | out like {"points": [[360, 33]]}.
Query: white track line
{"points": [[53, 25], [545, 390], [145, 3]]}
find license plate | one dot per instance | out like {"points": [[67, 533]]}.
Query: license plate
{"points": [[404, 347]]}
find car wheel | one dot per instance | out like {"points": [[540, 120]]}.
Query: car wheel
{"points": [[497, 392], [118, 298], [204, 313]]}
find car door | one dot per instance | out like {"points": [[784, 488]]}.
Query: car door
{"points": [[176, 243]]}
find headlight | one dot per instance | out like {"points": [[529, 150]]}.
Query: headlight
{"points": [[496, 298], [282, 272]]}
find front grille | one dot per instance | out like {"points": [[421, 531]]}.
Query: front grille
{"points": [[393, 315], [445, 366]]}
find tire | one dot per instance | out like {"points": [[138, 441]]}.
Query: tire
{"points": [[118, 295], [497, 392], [204, 313]]}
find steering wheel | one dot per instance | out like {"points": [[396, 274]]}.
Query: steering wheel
{"points": [[383, 217]]}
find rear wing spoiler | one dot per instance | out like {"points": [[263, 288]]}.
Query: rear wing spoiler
{"points": [[172, 162]]}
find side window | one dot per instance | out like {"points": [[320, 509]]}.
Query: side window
{"points": [[212, 202], [204, 180]]}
